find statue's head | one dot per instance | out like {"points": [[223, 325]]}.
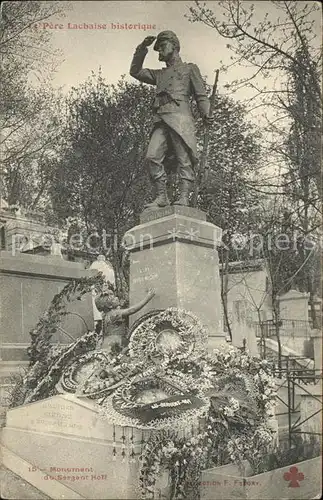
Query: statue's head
{"points": [[166, 45], [107, 301]]}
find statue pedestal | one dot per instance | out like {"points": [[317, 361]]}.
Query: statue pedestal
{"points": [[174, 251]]}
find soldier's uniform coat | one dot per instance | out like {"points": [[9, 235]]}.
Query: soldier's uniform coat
{"points": [[175, 85]]}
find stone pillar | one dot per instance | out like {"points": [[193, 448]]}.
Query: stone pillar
{"points": [[174, 251], [316, 336]]}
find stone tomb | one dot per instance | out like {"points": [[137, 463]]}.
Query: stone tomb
{"points": [[28, 285], [174, 251], [63, 448]]}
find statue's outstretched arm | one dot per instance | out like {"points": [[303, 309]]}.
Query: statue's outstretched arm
{"points": [[133, 309]]}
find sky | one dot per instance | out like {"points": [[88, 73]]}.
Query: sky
{"points": [[86, 50], [111, 49]]}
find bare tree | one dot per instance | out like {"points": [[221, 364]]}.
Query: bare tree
{"points": [[280, 58]]}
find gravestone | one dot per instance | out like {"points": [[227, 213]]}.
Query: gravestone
{"points": [[294, 305], [174, 251], [28, 285], [62, 447]]}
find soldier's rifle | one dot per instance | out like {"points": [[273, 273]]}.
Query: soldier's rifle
{"points": [[202, 173]]}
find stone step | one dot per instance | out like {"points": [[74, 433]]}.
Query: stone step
{"points": [[14, 486]]}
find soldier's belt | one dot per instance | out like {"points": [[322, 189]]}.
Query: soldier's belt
{"points": [[163, 98]]}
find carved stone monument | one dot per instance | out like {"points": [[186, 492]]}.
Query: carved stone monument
{"points": [[174, 250], [65, 445]]}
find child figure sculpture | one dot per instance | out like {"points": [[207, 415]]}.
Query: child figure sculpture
{"points": [[113, 322]]}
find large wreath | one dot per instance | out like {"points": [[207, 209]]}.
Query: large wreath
{"points": [[48, 360], [76, 375], [166, 333], [155, 400]]}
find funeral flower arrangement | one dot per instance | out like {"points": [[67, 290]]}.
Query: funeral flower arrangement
{"points": [[236, 425], [200, 410]]}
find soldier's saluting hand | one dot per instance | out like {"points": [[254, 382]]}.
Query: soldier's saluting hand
{"points": [[148, 41]]}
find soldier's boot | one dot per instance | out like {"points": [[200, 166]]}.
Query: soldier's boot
{"points": [[184, 192], [161, 199]]}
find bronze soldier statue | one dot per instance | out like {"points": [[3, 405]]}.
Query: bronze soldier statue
{"points": [[173, 121]]}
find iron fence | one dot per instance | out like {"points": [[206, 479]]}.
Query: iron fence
{"points": [[287, 328]]}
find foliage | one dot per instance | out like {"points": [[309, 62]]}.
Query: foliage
{"points": [[16, 393], [30, 137], [233, 160], [233, 157], [279, 49], [23, 45], [278, 55], [100, 165], [263, 43], [301, 450], [29, 107]]}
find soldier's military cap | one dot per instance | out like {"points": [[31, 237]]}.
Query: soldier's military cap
{"points": [[169, 36]]}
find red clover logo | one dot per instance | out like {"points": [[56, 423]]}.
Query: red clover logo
{"points": [[293, 476]]}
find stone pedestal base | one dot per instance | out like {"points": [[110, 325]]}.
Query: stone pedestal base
{"points": [[174, 251]]}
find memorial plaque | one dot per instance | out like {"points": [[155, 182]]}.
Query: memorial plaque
{"points": [[184, 275], [62, 414]]}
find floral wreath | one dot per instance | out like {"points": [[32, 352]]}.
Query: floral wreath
{"points": [[48, 360], [236, 426], [91, 361], [166, 333], [123, 408]]}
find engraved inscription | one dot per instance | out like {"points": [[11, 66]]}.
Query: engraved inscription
{"points": [[57, 415], [157, 214], [146, 274]]}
